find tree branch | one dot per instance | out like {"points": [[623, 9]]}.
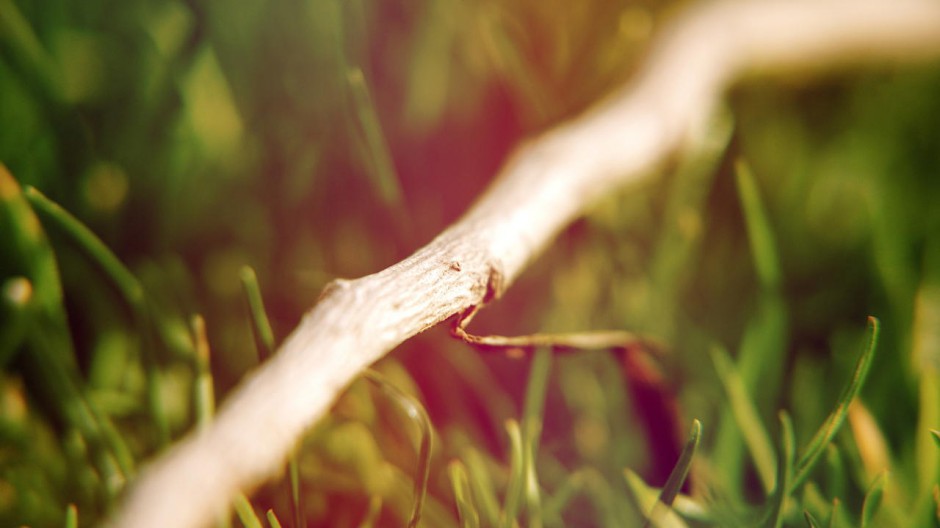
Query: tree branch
{"points": [[545, 185]]}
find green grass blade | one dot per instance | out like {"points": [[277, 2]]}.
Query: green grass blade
{"points": [[533, 408], [760, 235], [784, 472], [482, 486], [835, 420], [873, 498], [416, 413], [748, 420], [466, 510], [646, 499], [813, 501], [273, 521], [264, 338], [204, 392], [835, 472], [837, 515], [117, 445], [516, 484], [925, 333], [533, 493], [21, 42], [261, 325], [246, 513], [762, 353], [535, 392], [125, 282], [381, 168], [296, 504], [644, 496], [676, 477], [71, 516], [810, 520]]}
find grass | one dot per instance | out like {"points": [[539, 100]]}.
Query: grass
{"points": [[676, 477], [148, 260]]}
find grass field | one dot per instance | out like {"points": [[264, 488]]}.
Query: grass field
{"points": [[179, 180]]}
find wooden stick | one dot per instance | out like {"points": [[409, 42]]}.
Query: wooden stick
{"points": [[545, 184]]}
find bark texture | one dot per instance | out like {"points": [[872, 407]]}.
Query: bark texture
{"points": [[545, 184]]}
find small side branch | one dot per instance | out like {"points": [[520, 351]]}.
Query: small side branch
{"points": [[547, 183], [528, 344]]}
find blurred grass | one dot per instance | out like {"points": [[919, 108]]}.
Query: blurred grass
{"points": [[178, 155]]}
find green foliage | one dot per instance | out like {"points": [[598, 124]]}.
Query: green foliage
{"points": [[246, 514], [160, 161]]}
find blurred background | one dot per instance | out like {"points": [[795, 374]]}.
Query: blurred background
{"points": [[318, 139]]}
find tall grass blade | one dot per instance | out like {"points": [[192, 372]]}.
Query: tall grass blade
{"points": [[533, 493], [533, 408], [124, 281], [832, 424], [466, 511], [273, 521], [246, 513], [264, 338], [296, 504], [760, 235], [810, 520], [761, 353], [925, 336], [119, 462], [835, 472], [261, 326], [873, 498], [19, 39], [203, 390], [837, 515], [536, 387], [516, 484], [381, 168], [71, 516], [813, 500], [416, 413], [748, 420], [482, 487], [784, 472], [676, 477], [646, 500]]}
